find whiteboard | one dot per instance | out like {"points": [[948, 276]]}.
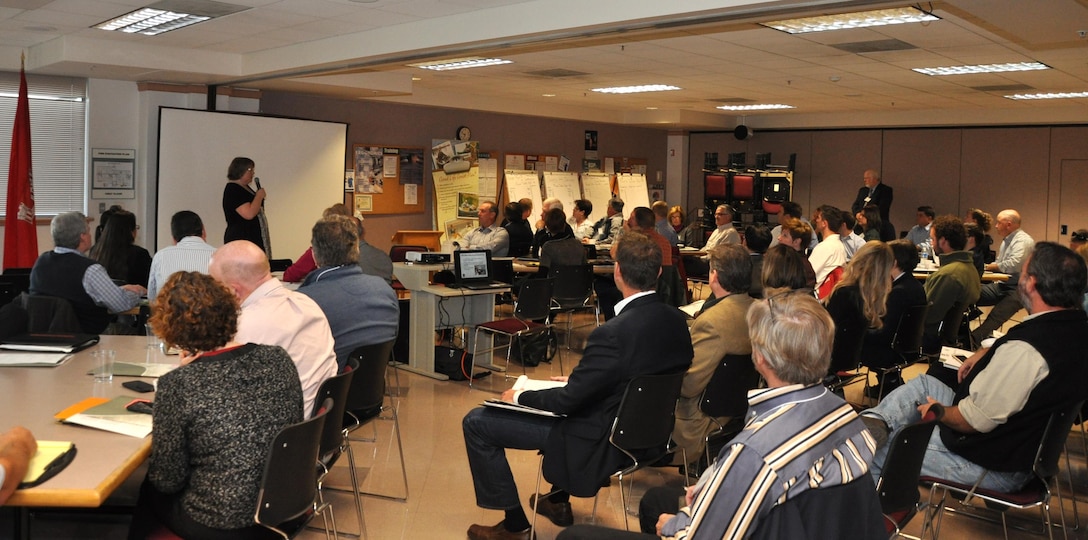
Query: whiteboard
{"points": [[300, 163], [632, 188], [596, 189], [522, 185], [563, 186]]}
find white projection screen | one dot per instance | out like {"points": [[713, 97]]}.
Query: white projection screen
{"points": [[300, 163]]}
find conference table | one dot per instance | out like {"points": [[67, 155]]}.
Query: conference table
{"points": [[30, 396], [436, 306], [987, 277]]}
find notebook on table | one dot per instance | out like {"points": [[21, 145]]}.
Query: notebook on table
{"points": [[49, 342], [473, 269]]}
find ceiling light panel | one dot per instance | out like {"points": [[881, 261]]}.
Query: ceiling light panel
{"points": [[861, 19], [1050, 95], [460, 63], [636, 89], [168, 15], [981, 68], [755, 107]]}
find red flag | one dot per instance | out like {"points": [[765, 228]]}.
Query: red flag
{"points": [[20, 231]]}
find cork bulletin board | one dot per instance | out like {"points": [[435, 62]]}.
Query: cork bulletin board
{"points": [[388, 180]]}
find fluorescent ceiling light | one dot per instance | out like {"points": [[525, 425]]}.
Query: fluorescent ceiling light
{"points": [[982, 68], [44, 98], [860, 19], [757, 107], [460, 63], [1052, 95], [636, 89], [169, 15]]}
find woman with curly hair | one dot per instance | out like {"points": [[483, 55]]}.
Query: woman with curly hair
{"points": [[859, 300], [214, 417], [984, 221], [117, 251]]}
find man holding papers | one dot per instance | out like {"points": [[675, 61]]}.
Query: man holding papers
{"points": [[645, 337]]}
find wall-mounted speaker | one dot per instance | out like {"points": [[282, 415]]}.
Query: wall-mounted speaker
{"points": [[742, 132]]}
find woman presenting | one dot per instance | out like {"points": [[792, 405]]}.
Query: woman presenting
{"points": [[243, 207]]}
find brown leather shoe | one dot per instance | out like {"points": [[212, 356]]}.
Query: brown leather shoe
{"points": [[559, 513], [497, 532]]}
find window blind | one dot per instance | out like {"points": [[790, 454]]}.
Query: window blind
{"points": [[58, 112]]}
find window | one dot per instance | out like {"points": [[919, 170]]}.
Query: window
{"points": [[57, 133]]}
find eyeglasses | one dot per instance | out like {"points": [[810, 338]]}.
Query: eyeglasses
{"points": [[779, 297], [1080, 237]]}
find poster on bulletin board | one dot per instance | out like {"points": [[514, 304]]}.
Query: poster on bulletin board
{"points": [[384, 180]]}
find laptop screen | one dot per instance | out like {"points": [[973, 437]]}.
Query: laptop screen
{"points": [[472, 266]]}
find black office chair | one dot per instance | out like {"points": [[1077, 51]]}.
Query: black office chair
{"points": [[897, 486], [642, 429], [726, 395], [49, 314], [366, 403], [333, 436], [906, 343], [533, 304], [288, 497], [1036, 493], [573, 292]]}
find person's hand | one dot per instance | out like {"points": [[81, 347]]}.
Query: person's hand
{"points": [[261, 194], [508, 396], [17, 446], [689, 495], [559, 378], [20, 439], [187, 357], [969, 364], [662, 520], [138, 289], [931, 405]]}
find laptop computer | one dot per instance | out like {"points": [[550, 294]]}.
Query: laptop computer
{"points": [[473, 269]]}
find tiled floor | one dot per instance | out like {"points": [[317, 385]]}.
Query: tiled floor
{"points": [[441, 503]]}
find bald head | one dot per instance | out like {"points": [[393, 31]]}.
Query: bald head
{"points": [[1008, 221], [241, 265]]}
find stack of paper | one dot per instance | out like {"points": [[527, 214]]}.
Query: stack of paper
{"points": [[108, 415], [525, 383], [32, 359]]}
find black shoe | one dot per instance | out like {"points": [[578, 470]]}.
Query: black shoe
{"points": [[559, 513]]}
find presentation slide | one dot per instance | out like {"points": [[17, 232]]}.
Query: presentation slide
{"points": [[632, 188], [300, 163]]}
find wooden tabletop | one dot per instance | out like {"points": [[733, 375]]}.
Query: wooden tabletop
{"points": [[30, 396]]}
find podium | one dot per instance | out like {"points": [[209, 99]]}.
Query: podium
{"points": [[431, 239]]}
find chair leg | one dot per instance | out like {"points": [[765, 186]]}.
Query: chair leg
{"points": [[403, 469], [623, 504], [536, 499]]}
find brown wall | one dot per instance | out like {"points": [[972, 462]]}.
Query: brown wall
{"points": [[951, 169], [407, 125]]}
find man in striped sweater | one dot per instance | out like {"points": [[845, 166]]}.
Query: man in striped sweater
{"points": [[799, 439]]}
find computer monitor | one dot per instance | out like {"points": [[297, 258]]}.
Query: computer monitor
{"points": [[472, 266]]}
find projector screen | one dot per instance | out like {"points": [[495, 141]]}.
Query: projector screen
{"points": [[300, 163]]}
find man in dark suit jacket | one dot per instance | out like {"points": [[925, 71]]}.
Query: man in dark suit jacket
{"points": [[876, 351], [645, 337], [876, 192]]}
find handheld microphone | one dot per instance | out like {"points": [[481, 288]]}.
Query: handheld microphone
{"points": [[257, 181]]}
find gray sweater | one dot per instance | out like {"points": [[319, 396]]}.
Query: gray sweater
{"points": [[214, 420]]}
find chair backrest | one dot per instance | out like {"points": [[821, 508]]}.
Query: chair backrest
{"points": [[898, 483], [950, 325], [367, 391], [11, 285], [398, 252], [289, 483], [647, 413], [335, 388], [844, 511], [828, 285], [714, 186], [573, 284], [534, 299], [908, 333], [727, 392], [743, 187], [846, 351], [49, 314], [1053, 441], [279, 265]]}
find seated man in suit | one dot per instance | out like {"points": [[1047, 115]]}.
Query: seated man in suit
{"points": [[954, 286], [800, 439], [362, 309], [610, 227], [645, 337], [876, 350], [719, 330], [17, 446], [996, 408], [66, 273]]}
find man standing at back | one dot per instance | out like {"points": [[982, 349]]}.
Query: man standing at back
{"points": [[876, 192], [189, 253], [67, 273], [645, 337], [954, 286], [1010, 258], [275, 315], [361, 309]]}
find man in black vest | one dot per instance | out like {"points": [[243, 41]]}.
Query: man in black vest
{"points": [[996, 411], [66, 273]]}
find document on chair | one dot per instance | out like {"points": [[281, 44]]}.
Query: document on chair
{"points": [[525, 383], [953, 358]]}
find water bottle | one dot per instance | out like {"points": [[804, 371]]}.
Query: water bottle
{"points": [[925, 255]]}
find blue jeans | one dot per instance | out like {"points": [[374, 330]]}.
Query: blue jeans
{"points": [[488, 433], [900, 408]]}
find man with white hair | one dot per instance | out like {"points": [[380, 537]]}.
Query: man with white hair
{"points": [[275, 315], [544, 236], [1010, 258]]}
